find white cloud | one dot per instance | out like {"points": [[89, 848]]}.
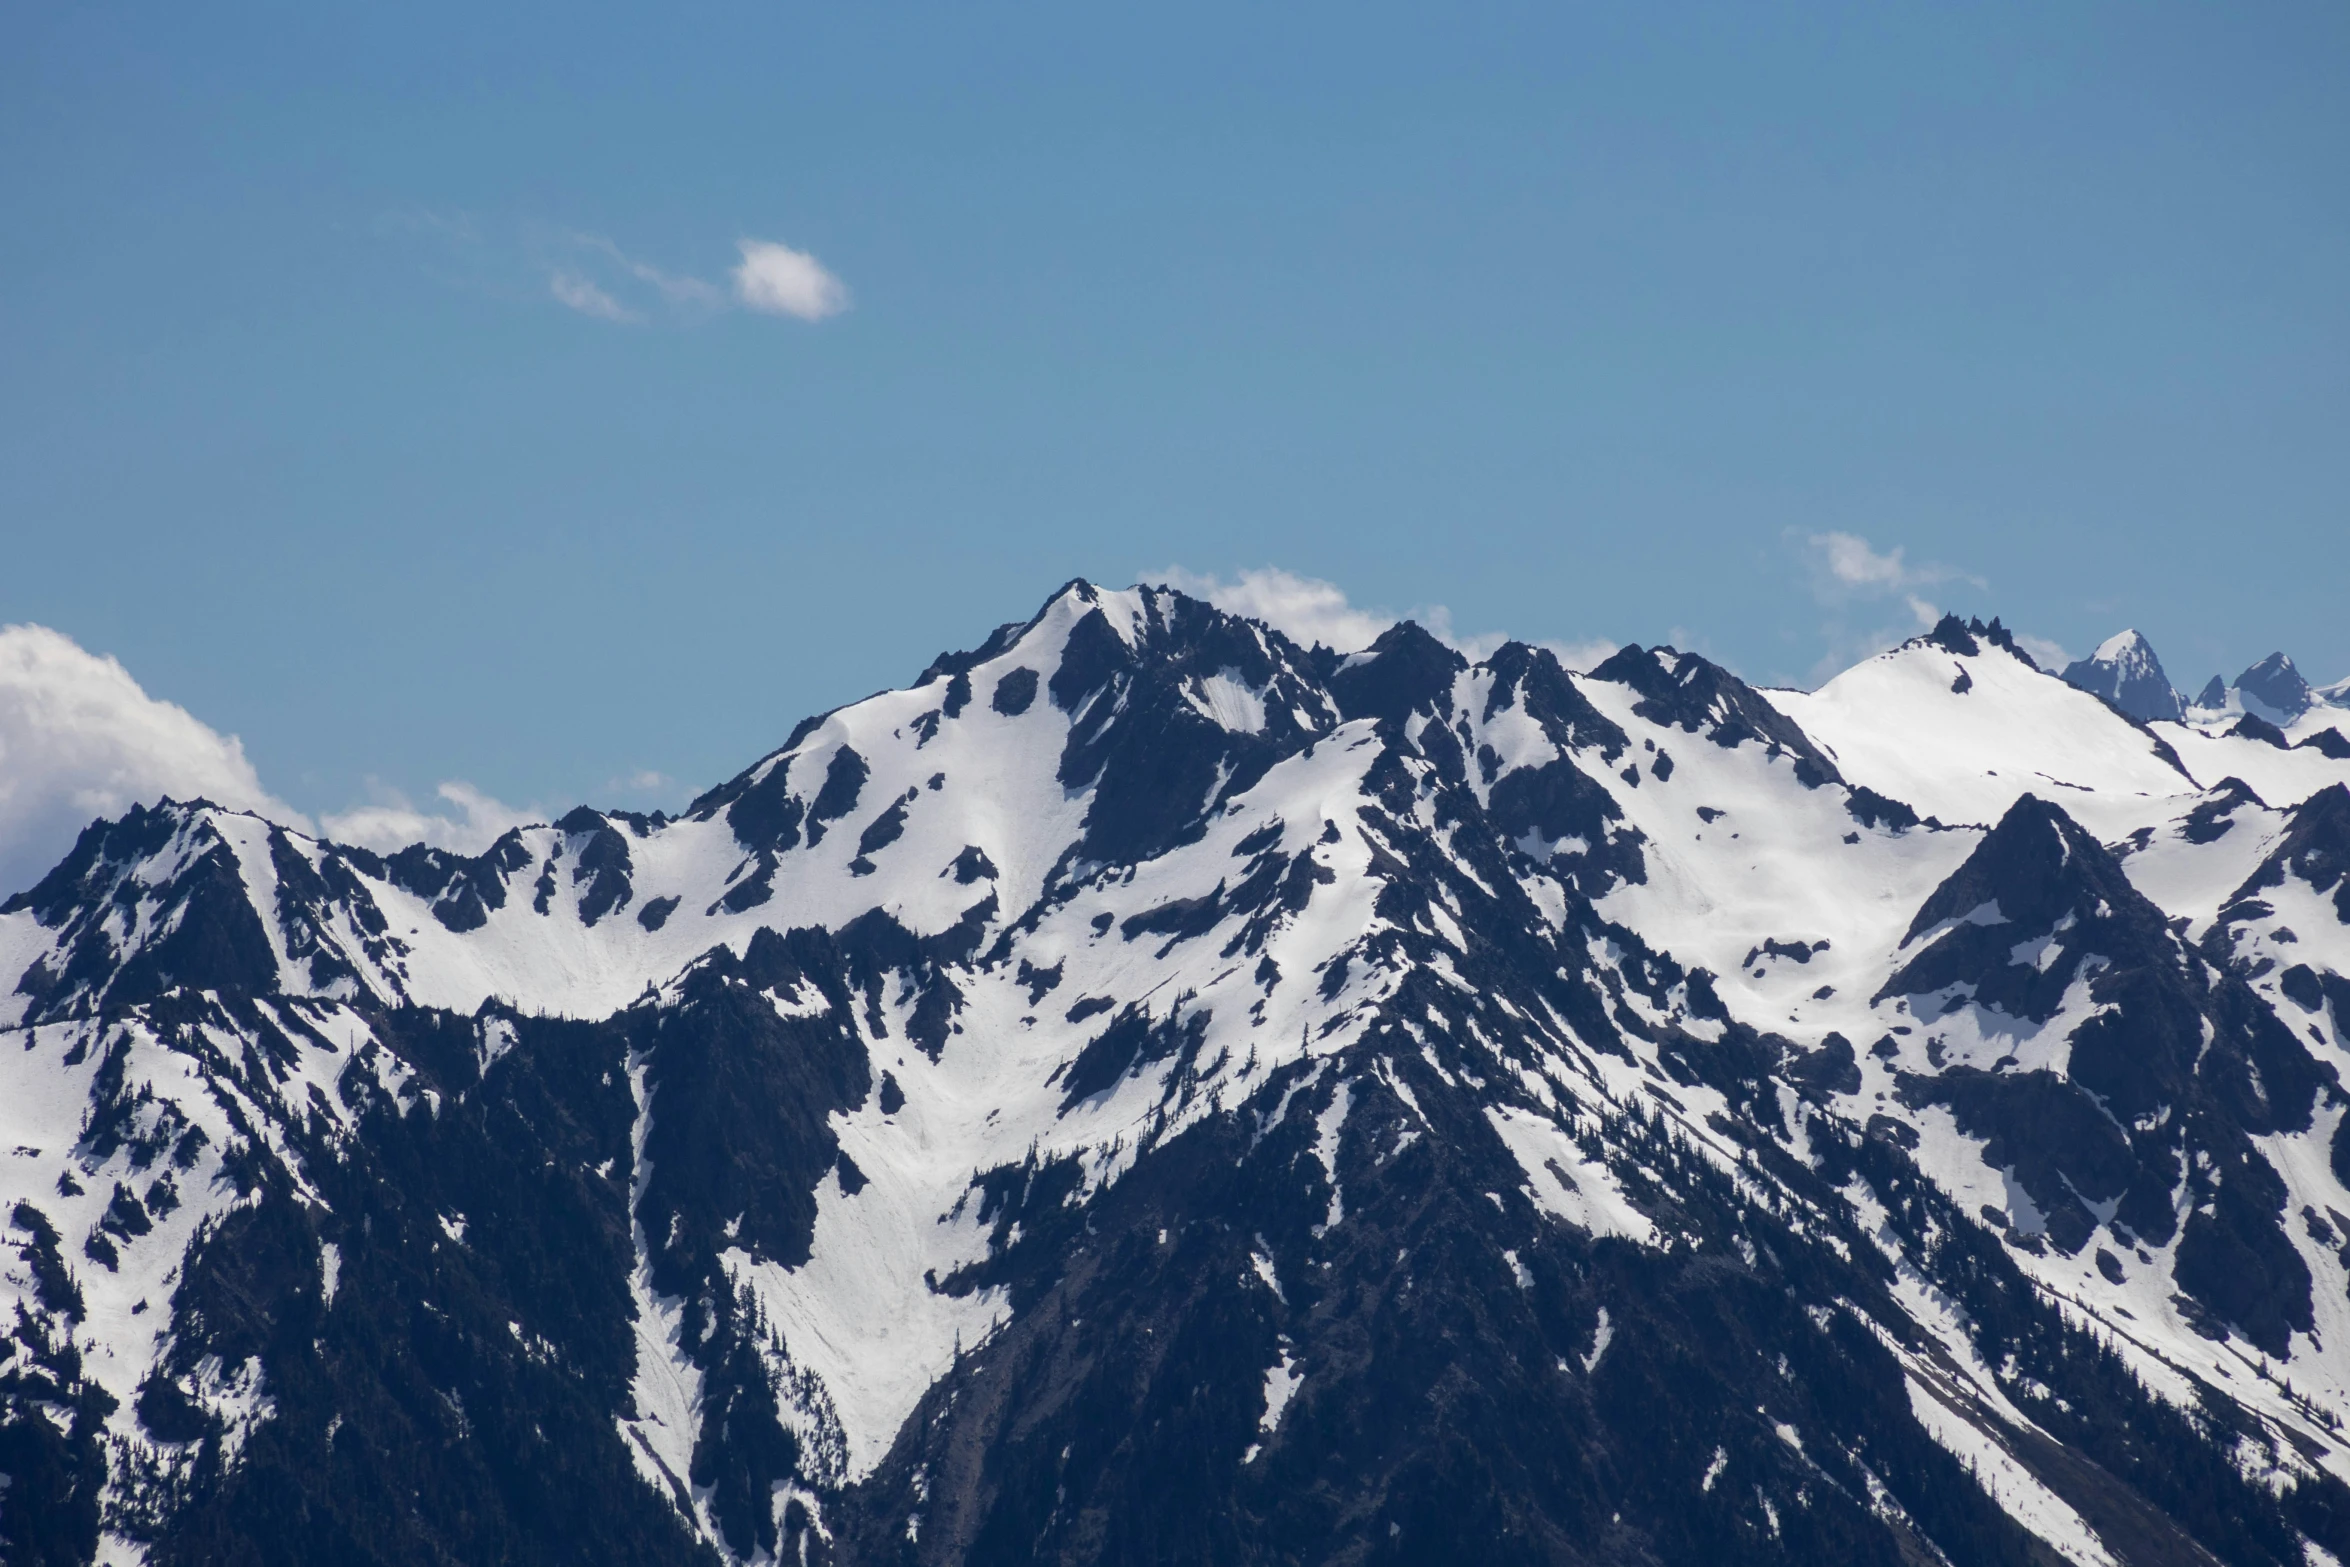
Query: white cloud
{"points": [[589, 300], [79, 740], [392, 821], [1476, 646], [1851, 561], [1861, 586], [2048, 655], [1849, 644], [1583, 657], [675, 287], [1308, 610], [1851, 576], [778, 280], [643, 781], [1845, 565], [591, 274]]}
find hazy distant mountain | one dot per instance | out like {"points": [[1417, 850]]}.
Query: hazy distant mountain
{"points": [[2274, 689], [2126, 673]]}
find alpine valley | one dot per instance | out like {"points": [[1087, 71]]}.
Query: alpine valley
{"points": [[1150, 1092]]}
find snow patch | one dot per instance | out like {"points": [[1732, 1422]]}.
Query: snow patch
{"points": [[1232, 703], [2016, 1489], [1565, 1184], [1601, 1337], [1281, 1384], [1328, 1127]]}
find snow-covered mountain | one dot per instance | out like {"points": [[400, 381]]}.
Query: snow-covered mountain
{"points": [[2126, 673], [2274, 689], [1149, 1091]]}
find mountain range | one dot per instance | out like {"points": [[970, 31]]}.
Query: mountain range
{"points": [[1149, 1091]]}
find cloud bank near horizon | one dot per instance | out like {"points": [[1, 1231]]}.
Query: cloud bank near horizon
{"points": [[81, 739]]}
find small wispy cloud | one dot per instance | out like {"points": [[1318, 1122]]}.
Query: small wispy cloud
{"points": [[643, 781], [584, 296], [674, 288], [1860, 585], [594, 276], [777, 280], [1584, 656], [771, 279], [1306, 610], [1877, 598], [2048, 655], [1853, 567]]}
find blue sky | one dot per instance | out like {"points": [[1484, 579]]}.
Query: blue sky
{"points": [[386, 388]]}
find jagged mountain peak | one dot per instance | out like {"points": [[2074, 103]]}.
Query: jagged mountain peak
{"points": [[1407, 670], [1969, 635], [2125, 671], [2127, 647], [2314, 851], [2274, 690], [2130, 1054], [1960, 723], [2032, 869], [1698, 696], [2014, 925]]}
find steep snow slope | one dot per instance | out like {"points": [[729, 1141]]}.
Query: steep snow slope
{"points": [[2283, 775], [1778, 888], [1150, 1091]]}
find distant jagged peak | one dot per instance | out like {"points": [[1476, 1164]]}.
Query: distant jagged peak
{"points": [[110, 849], [1406, 671], [2125, 672], [2033, 869], [2315, 848], [1696, 695], [2273, 689], [1968, 637], [2254, 727], [2128, 647]]}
